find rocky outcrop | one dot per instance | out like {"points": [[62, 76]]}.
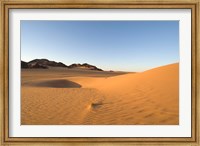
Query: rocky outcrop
{"points": [[44, 63], [24, 64], [85, 66]]}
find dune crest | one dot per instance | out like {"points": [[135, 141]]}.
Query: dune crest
{"points": [[159, 77]]}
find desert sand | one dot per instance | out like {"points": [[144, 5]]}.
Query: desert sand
{"points": [[84, 97]]}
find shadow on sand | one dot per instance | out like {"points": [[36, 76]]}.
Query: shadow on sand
{"points": [[57, 84]]}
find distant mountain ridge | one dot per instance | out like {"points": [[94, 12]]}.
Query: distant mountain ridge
{"points": [[45, 64]]}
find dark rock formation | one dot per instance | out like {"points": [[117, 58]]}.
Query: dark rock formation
{"points": [[45, 63], [85, 66], [24, 64]]}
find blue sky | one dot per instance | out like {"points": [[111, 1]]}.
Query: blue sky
{"points": [[110, 45]]}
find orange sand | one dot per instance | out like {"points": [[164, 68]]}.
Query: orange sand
{"points": [[71, 97]]}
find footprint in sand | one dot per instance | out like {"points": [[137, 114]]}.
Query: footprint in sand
{"points": [[96, 105]]}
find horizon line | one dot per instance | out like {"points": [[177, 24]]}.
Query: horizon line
{"points": [[102, 68]]}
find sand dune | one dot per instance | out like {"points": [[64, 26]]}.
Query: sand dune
{"points": [[148, 98]]}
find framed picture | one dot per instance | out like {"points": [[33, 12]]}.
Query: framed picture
{"points": [[100, 72]]}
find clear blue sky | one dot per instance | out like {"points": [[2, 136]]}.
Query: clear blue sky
{"points": [[110, 45]]}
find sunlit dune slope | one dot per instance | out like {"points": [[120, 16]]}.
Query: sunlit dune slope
{"points": [[159, 84]]}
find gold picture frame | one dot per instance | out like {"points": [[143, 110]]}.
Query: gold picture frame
{"points": [[39, 4]]}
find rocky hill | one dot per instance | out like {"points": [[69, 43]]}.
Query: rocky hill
{"points": [[24, 64], [45, 63], [85, 66]]}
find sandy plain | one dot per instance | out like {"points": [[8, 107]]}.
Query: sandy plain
{"points": [[59, 96]]}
